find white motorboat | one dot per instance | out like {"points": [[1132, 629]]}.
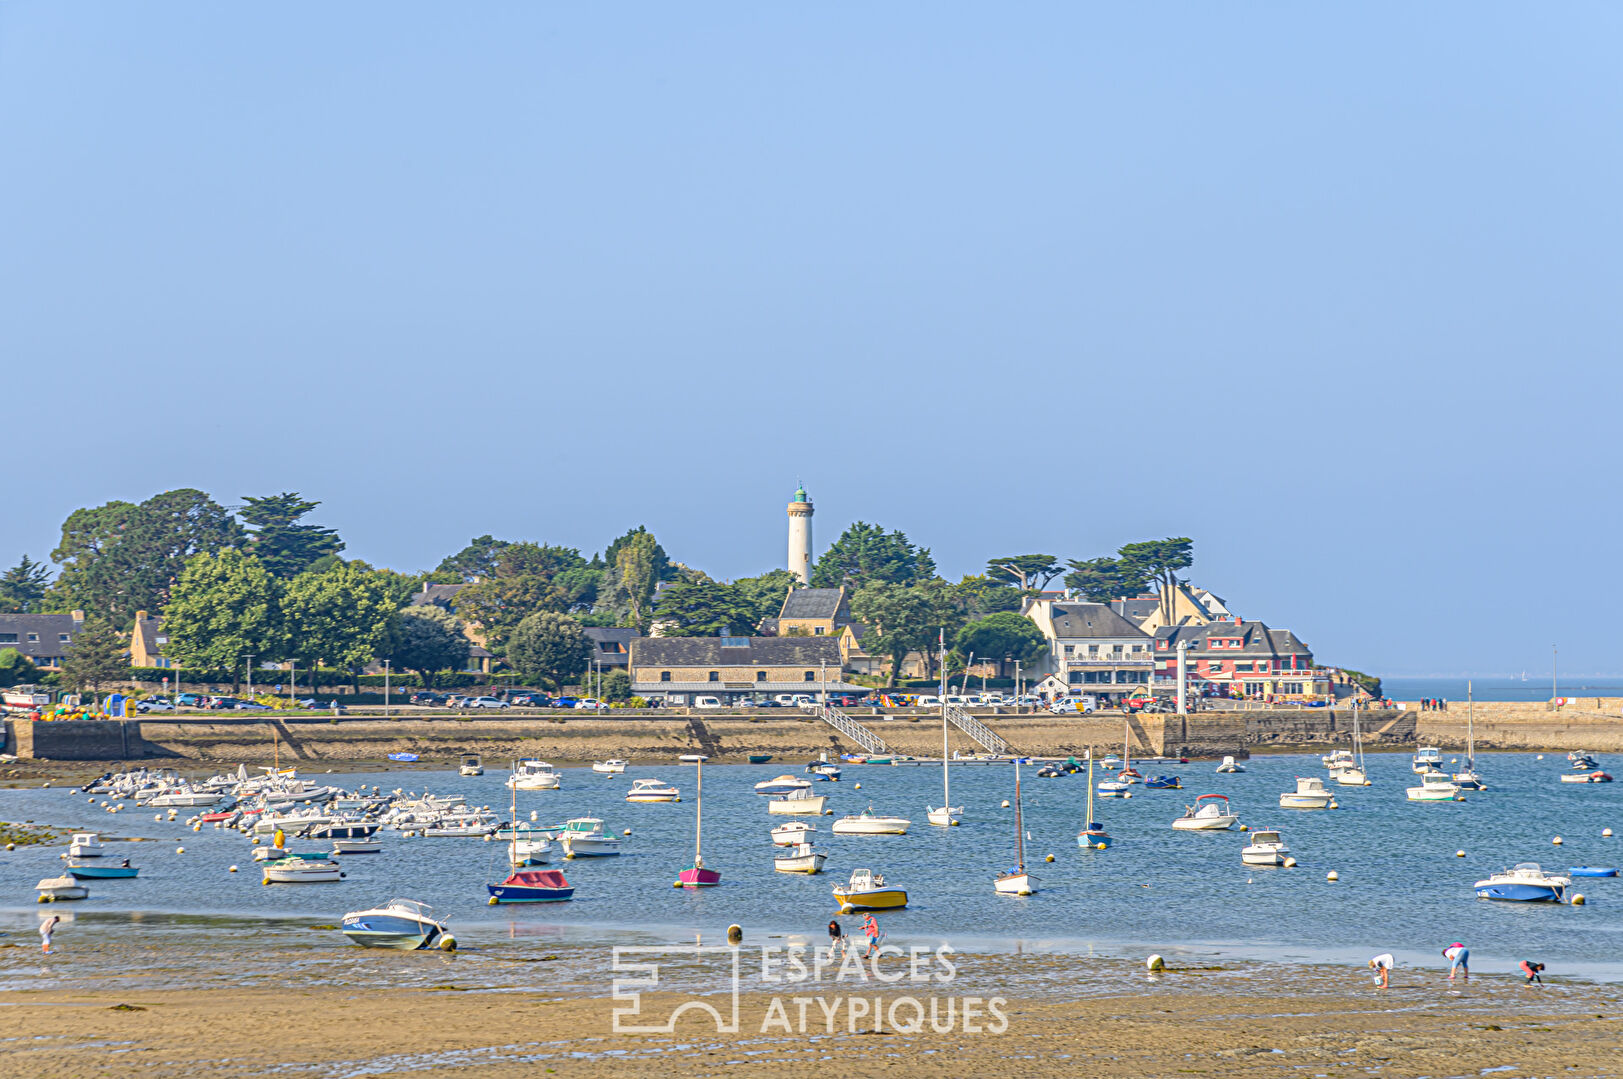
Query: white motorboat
{"points": [[528, 852], [1427, 759], [1016, 881], [356, 846], [402, 924], [652, 790], [867, 890], [183, 797], [1210, 813], [610, 767], [64, 887], [784, 784], [86, 845], [1265, 848], [1585, 777], [798, 803], [1230, 765], [462, 826], [800, 859], [1338, 759], [303, 869], [1310, 793], [1527, 882], [585, 837], [1435, 787], [534, 775], [792, 834], [1113, 788], [472, 765], [870, 823], [268, 824]]}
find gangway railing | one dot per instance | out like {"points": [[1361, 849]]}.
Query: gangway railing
{"points": [[989, 739], [853, 730]]}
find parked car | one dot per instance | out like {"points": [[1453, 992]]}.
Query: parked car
{"points": [[588, 703], [155, 705], [436, 700], [222, 703], [1145, 702], [529, 699], [483, 702], [192, 700], [707, 702], [252, 706]]}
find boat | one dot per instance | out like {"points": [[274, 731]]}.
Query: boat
{"points": [[461, 826], [1265, 848], [1427, 759], [404, 758], [792, 834], [1230, 765], [356, 846], [183, 797], [1093, 833], [870, 823], [692, 758], [652, 790], [1210, 812], [1050, 771], [1163, 783], [341, 830], [759, 758], [86, 845], [1586, 777], [52, 889], [1349, 771], [1310, 793], [697, 876], [946, 815], [1435, 787], [534, 775], [1468, 780], [1338, 758], [1114, 788], [1581, 758], [826, 771], [867, 890], [101, 870], [1527, 883], [610, 767], [1592, 871], [531, 886], [524, 851], [472, 765], [800, 859], [798, 803], [584, 837], [1016, 881], [402, 924], [303, 869], [784, 784]]}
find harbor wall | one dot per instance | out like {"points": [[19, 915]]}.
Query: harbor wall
{"points": [[101, 740], [1529, 725]]}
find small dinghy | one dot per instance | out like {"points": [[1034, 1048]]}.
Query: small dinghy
{"points": [[404, 758], [52, 889], [403, 924], [531, 886], [1586, 777], [1163, 783], [800, 859], [357, 846], [303, 869], [1210, 813], [101, 870], [1592, 871]]}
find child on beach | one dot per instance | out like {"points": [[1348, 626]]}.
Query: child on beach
{"points": [[1531, 969], [1458, 956], [870, 929], [1382, 965], [49, 924]]}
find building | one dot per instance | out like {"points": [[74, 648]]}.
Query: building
{"points": [[437, 595], [1092, 649], [146, 642], [813, 612], [800, 536], [611, 646], [443, 596], [1234, 658], [43, 638], [1190, 606], [677, 669]]}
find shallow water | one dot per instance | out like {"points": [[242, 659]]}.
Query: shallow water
{"points": [[1401, 887]]}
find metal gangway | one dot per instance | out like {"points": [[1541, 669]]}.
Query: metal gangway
{"points": [[989, 739], [853, 730]]}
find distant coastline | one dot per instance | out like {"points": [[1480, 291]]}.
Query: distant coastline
{"points": [[1536, 688]]}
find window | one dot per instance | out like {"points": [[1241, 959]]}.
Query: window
{"points": [[817, 631], [33, 638], [1070, 648], [63, 638], [8, 638], [811, 676], [1116, 649], [160, 640], [760, 676], [664, 676], [1093, 649], [715, 676], [1238, 666]]}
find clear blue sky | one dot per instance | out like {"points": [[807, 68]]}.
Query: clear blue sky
{"points": [[1335, 292]]}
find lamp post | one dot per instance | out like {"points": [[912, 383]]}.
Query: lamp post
{"points": [[250, 667], [174, 701], [386, 689], [292, 683], [1183, 678]]}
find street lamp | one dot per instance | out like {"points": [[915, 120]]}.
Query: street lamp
{"points": [[386, 689], [250, 667]]}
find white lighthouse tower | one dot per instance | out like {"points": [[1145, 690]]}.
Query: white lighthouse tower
{"points": [[800, 541]]}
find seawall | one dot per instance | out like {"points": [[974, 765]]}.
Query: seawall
{"points": [[1593, 723]]}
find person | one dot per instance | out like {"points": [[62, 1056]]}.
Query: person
{"points": [[1382, 965], [1532, 969], [870, 929], [333, 704], [835, 935], [50, 924], [1459, 959]]}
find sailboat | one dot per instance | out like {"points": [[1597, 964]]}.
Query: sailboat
{"points": [[1468, 780], [1128, 773], [948, 814], [1353, 775], [1094, 835], [523, 853], [698, 876], [1017, 881]]}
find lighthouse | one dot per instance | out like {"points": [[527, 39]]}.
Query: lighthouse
{"points": [[800, 521]]}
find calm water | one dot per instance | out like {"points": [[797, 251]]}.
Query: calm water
{"points": [[1536, 687], [1401, 887]]}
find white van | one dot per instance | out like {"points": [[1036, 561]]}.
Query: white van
{"points": [[707, 702]]}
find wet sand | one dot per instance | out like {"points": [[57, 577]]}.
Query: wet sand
{"points": [[503, 1008]]}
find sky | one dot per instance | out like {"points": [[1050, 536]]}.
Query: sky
{"points": [[1332, 291]]}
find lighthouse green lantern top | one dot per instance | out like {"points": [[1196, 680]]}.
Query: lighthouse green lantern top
{"points": [[800, 495]]}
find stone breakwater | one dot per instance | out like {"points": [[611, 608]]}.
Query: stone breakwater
{"points": [[1592, 723]]}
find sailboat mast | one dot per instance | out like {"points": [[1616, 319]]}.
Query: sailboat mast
{"points": [[698, 813], [946, 798], [1019, 819], [1470, 726], [1089, 821], [512, 819]]}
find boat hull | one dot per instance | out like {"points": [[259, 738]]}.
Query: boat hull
{"points": [[1592, 871], [1521, 893], [1350, 777], [514, 893], [1094, 840], [800, 864], [1250, 856], [1428, 794], [1015, 884], [698, 878], [869, 827], [797, 807], [1205, 824], [945, 817], [102, 872], [1303, 801], [791, 838], [377, 930], [605, 847], [877, 899]]}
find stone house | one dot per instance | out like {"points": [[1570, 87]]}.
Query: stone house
{"points": [[677, 669], [44, 639]]}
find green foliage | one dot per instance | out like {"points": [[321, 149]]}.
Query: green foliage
{"points": [[22, 587], [901, 619], [283, 545], [1160, 561], [866, 554], [477, 559], [525, 580], [762, 597], [636, 569], [549, 646], [700, 609], [16, 669], [616, 686], [664, 570], [342, 616], [225, 606], [1370, 683], [981, 596], [1030, 572], [1104, 579], [427, 640], [119, 558], [1004, 637], [97, 657]]}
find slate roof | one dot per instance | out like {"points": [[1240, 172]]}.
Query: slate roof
{"points": [[757, 652], [437, 595], [1136, 609], [613, 643], [1255, 638], [1091, 620], [47, 627], [813, 603]]}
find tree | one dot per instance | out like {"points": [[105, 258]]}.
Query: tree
{"points": [[1160, 561], [283, 546], [476, 560], [664, 568], [1031, 572], [225, 607], [525, 579], [762, 597], [341, 617], [97, 657], [701, 609], [427, 640], [616, 685], [16, 669], [1104, 579], [981, 596], [22, 587], [550, 647], [900, 620], [1004, 637], [866, 553], [637, 570]]}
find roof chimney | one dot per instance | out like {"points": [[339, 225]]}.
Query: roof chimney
{"points": [[78, 616]]}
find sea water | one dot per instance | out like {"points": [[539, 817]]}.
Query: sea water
{"points": [[1401, 887]]}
